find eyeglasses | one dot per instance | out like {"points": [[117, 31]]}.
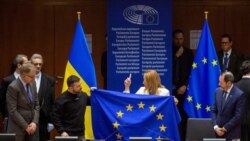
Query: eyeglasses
{"points": [[225, 43], [36, 64], [31, 77]]}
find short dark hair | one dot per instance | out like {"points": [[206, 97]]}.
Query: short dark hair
{"points": [[245, 67], [72, 79], [226, 35], [228, 76], [177, 31], [26, 68]]}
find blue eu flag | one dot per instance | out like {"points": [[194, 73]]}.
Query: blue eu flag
{"points": [[118, 116], [204, 78]]}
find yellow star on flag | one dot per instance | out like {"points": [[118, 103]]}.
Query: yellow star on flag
{"points": [[198, 106], [204, 60], [119, 114], [208, 108], [152, 108], [194, 65], [214, 62], [118, 136], [141, 105], [190, 98], [160, 116], [129, 107], [163, 128], [116, 124]]}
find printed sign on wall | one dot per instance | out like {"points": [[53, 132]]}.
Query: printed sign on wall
{"points": [[139, 39]]}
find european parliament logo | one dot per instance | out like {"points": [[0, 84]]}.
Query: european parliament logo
{"points": [[141, 14]]}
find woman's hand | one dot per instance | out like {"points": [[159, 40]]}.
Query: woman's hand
{"points": [[127, 83]]}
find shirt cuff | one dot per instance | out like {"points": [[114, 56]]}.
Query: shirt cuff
{"points": [[215, 127], [224, 129]]}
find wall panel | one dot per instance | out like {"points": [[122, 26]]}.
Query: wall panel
{"points": [[26, 29], [237, 23]]}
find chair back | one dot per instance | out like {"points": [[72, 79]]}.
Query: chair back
{"points": [[199, 128]]}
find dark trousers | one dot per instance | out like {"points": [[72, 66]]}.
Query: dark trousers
{"points": [[245, 132], [44, 135], [184, 117], [5, 124], [183, 125]]}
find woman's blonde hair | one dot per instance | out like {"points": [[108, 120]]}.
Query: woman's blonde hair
{"points": [[152, 81]]}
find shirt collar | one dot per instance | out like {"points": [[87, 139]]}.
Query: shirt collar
{"points": [[246, 76], [228, 53], [16, 75], [38, 75], [229, 90]]}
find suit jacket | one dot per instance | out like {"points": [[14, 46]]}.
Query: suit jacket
{"points": [[235, 61], [244, 85], [5, 83], [46, 94], [230, 115], [21, 112]]}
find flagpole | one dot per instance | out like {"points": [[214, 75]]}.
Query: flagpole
{"points": [[206, 13], [79, 15]]}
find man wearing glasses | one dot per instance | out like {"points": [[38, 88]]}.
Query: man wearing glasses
{"points": [[230, 60], [23, 105], [45, 85]]}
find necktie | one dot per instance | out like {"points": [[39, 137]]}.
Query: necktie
{"points": [[224, 98], [29, 92], [225, 62]]}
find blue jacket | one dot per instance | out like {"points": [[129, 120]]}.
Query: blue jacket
{"points": [[230, 116]]}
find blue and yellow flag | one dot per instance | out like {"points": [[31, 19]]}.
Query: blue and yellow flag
{"points": [[80, 64], [204, 78], [118, 116]]}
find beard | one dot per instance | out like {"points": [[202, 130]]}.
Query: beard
{"points": [[176, 48]]}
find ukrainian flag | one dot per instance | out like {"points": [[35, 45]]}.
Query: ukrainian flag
{"points": [[81, 64]]}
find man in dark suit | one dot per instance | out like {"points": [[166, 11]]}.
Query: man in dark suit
{"points": [[244, 85], [228, 108], [230, 60], [46, 93], [182, 63], [17, 63], [23, 105]]}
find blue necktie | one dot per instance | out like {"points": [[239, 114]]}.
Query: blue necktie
{"points": [[225, 62], [29, 92], [224, 98]]}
